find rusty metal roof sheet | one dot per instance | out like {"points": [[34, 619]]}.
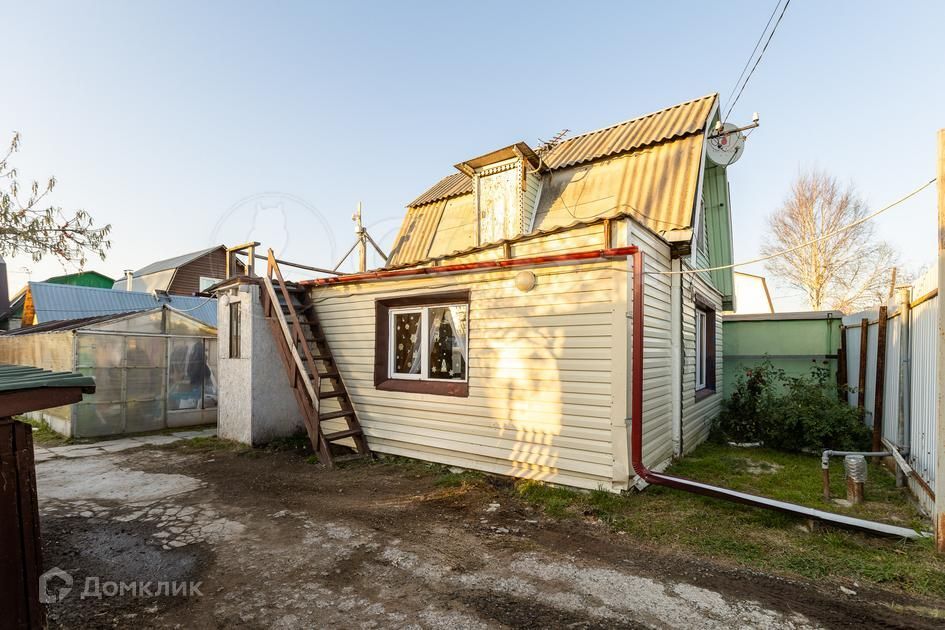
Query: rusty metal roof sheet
{"points": [[674, 122], [449, 186], [416, 232], [654, 179]]}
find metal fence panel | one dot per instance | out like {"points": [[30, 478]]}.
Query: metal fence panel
{"points": [[923, 318]]}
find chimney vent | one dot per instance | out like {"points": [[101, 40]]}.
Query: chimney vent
{"points": [[129, 279]]}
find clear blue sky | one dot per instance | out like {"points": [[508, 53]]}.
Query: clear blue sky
{"points": [[188, 124]]}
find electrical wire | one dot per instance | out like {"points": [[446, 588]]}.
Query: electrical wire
{"points": [[802, 245], [753, 51], [758, 60]]}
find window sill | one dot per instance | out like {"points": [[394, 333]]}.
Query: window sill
{"points": [[438, 388], [705, 392]]}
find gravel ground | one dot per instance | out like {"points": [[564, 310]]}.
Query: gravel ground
{"points": [[271, 541]]}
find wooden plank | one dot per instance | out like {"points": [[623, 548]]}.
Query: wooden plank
{"points": [[287, 336], [842, 384], [12, 592], [878, 401], [29, 518], [861, 383]]}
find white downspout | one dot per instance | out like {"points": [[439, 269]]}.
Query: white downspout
{"points": [[675, 328]]}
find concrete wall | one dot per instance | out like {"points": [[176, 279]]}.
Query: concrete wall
{"points": [[256, 403]]}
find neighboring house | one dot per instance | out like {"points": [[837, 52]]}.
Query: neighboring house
{"points": [[44, 302], [81, 279], [497, 337], [84, 279], [751, 294], [153, 369], [187, 274]]}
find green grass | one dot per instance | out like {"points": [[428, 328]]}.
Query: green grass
{"points": [[761, 539], [43, 435]]}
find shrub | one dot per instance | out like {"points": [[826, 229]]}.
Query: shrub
{"points": [[790, 413]]}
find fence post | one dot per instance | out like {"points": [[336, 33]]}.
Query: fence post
{"points": [[878, 401], [842, 385], [903, 426], [861, 382], [939, 519]]}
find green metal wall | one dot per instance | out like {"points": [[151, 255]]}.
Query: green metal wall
{"points": [[718, 223], [793, 345], [84, 279]]}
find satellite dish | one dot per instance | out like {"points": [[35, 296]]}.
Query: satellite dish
{"points": [[726, 146]]}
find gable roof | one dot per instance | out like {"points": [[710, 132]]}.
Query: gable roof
{"points": [[176, 261], [83, 278], [648, 167], [52, 302], [671, 123]]}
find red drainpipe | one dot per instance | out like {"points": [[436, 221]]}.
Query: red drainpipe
{"points": [[688, 485]]}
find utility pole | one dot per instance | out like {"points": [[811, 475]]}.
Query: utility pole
{"points": [[362, 240], [939, 519]]}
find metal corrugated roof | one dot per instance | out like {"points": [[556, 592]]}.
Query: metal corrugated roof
{"points": [[53, 302], [20, 377], [416, 232], [449, 186], [667, 124], [175, 262], [647, 167]]}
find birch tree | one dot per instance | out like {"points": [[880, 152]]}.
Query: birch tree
{"points": [[30, 225], [846, 271]]}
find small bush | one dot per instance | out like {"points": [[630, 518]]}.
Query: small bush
{"points": [[790, 413]]}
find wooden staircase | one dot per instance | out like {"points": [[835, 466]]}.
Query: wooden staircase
{"points": [[311, 369]]}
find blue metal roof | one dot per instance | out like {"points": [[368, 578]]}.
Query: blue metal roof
{"points": [[53, 302]]}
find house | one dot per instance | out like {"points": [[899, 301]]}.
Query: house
{"points": [[154, 369], [751, 294], [14, 316], [45, 302], [497, 337], [187, 274]]}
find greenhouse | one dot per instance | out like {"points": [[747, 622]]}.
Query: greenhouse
{"points": [[153, 370]]}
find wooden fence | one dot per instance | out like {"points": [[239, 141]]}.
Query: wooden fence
{"points": [[889, 354], [20, 552]]}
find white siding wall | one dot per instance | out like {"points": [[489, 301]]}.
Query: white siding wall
{"points": [[698, 415], [546, 387], [657, 348]]}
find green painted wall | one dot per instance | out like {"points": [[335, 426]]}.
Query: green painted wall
{"points": [[791, 345], [718, 224], [84, 279]]}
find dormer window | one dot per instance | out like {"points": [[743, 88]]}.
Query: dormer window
{"points": [[505, 188]]}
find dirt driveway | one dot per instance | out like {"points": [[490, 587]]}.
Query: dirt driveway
{"points": [[271, 541]]}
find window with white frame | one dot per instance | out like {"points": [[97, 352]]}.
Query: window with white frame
{"points": [[702, 318], [428, 342], [705, 348]]}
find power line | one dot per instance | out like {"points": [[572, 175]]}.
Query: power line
{"points": [[760, 55], [802, 245], [753, 51]]}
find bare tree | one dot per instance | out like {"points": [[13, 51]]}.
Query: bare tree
{"points": [[29, 226], [846, 271]]}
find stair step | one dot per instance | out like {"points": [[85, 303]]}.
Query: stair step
{"points": [[332, 393], [322, 357], [340, 435], [329, 374], [336, 414]]}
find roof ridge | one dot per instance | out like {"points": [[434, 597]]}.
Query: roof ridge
{"points": [[636, 118]]}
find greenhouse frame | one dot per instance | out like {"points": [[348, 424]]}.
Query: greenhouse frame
{"points": [[153, 370]]}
